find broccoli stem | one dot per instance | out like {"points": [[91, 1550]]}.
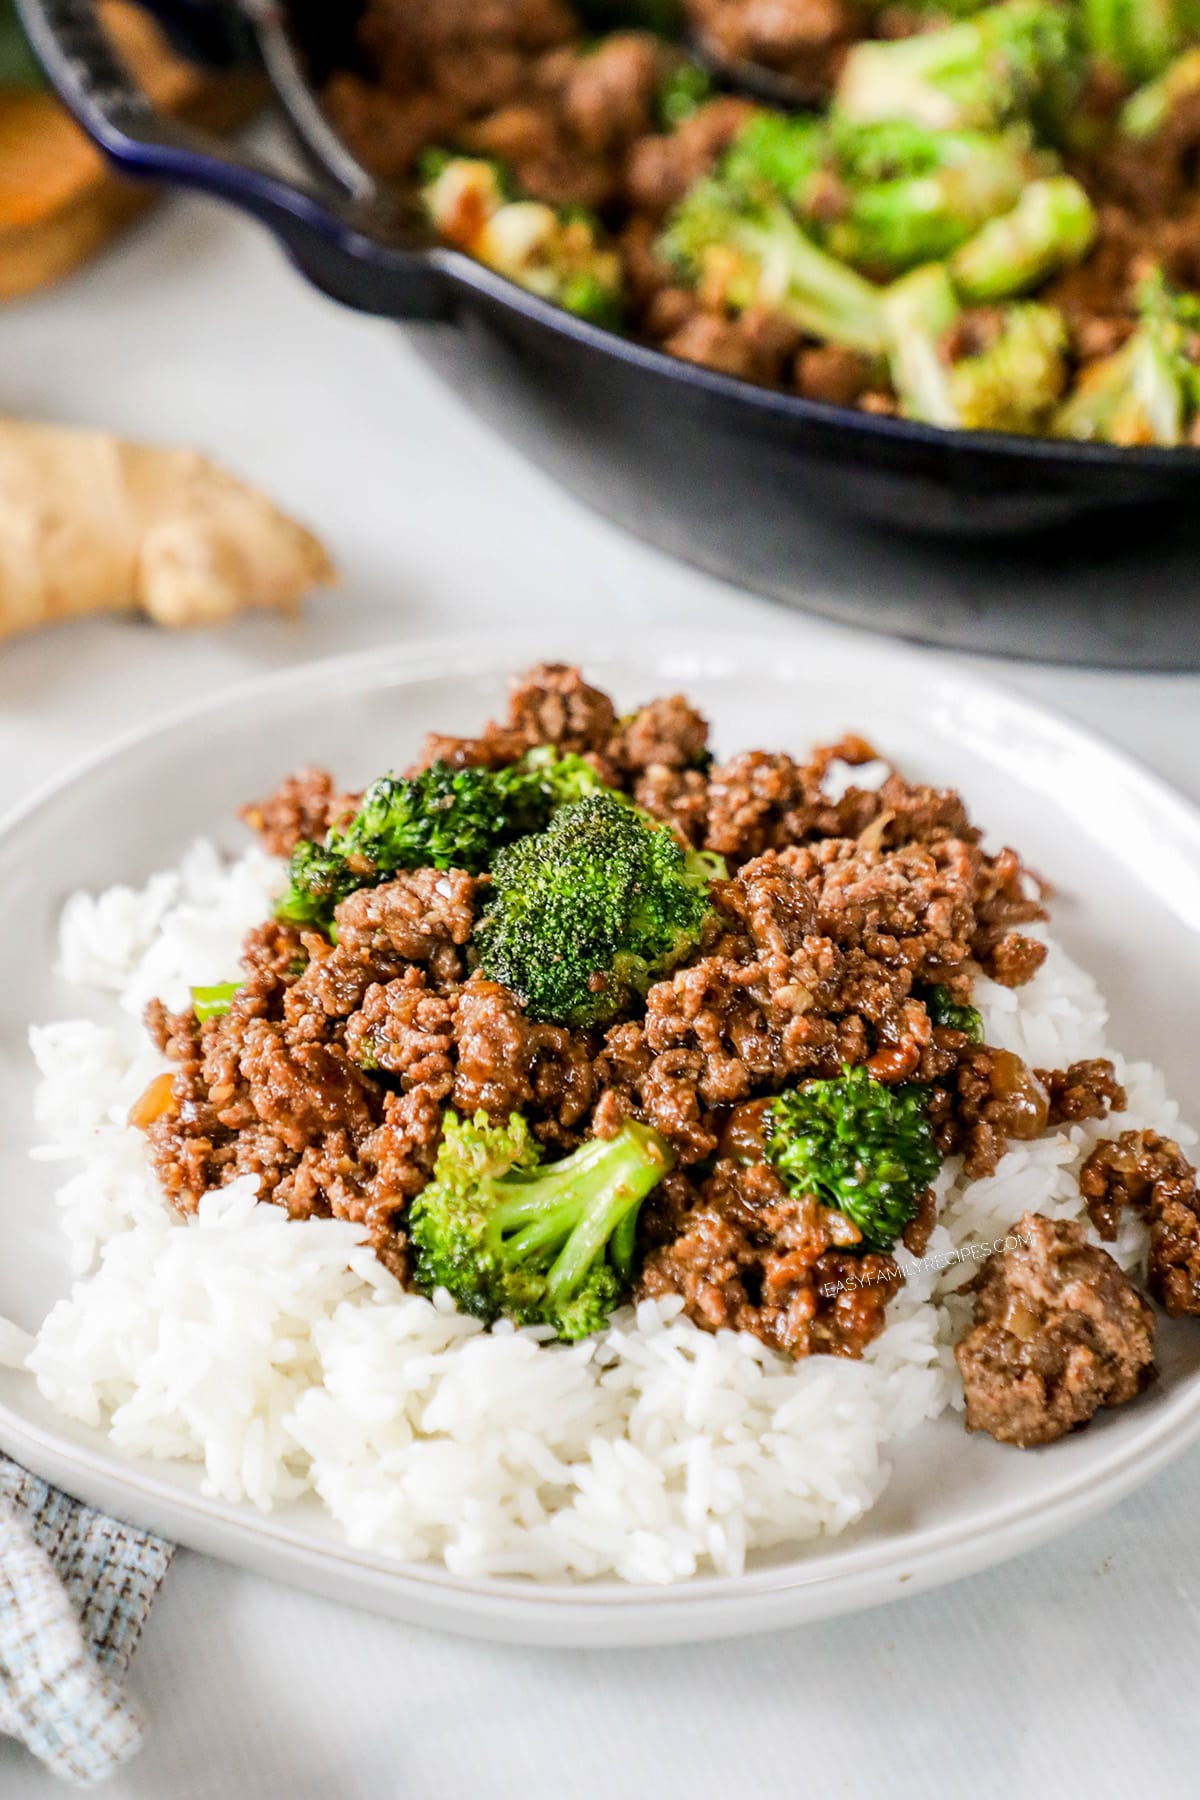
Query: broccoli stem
{"points": [[920, 309], [791, 276], [1146, 112], [581, 1202], [1052, 227]]}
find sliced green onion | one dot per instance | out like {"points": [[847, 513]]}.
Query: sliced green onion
{"points": [[211, 1002]]}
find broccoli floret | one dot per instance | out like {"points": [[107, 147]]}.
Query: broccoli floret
{"points": [[944, 1009], [775, 156], [1145, 113], [909, 195], [582, 916], [551, 1244], [882, 196], [1136, 39], [855, 1145], [211, 1002], [741, 253], [681, 94], [1005, 64], [441, 818], [554, 251], [1148, 392], [1052, 227], [1011, 383]]}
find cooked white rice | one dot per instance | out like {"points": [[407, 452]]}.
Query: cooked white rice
{"points": [[285, 1359]]}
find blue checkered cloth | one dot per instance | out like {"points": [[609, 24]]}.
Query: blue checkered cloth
{"points": [[75, 1592]]}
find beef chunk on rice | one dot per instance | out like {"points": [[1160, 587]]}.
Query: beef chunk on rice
{"points": [[1059, 1333]]}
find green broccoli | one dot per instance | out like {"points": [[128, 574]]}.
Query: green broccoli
{"points": [[913, 196], [581, 917], [1146, 112], [1148, 392], [1052, 227], [1006, 64], [441, 818], [1137, 39], [556, 252], [740, 253], [775, 156], [882, 196], [855, 1145], [1011, 382], [681, 94], [211, 1002], [509, 1237], [944, 1009]]}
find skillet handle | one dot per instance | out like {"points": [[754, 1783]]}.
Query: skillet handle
{"points": [[353, 250]]}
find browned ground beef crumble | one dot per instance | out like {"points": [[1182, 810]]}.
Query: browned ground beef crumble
{"points": [[575, 123], [1060, 1332], [328, 1076], [1151, 1174]]}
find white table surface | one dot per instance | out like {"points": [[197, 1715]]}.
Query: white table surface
{"points": [[1073, 1672]]}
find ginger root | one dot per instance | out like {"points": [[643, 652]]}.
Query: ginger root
{"points": [[91, 524]]}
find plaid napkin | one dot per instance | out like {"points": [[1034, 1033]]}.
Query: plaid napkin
{"points": [[75, 1591]]}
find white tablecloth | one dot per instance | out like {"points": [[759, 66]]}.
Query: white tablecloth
{"points": [[1070, 1673]]}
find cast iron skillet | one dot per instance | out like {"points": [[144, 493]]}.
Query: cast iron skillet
{"points": [[731, 476]]}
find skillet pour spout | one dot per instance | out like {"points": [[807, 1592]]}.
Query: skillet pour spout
{"points": [[764, 488]]}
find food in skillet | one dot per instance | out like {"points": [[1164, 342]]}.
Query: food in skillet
{"points": [[645, 1134], [992, 223]]}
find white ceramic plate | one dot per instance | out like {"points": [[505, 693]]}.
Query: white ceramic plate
{"points": [[1123, 851]]}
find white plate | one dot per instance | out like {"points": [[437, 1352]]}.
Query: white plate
{"points": [[1123, 851]]}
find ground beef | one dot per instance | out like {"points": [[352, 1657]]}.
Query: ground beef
{"points": [[660, 168], [385, 131], [757, 346], [305, 805], [804, 38], [567, 133], [1059, 1332], [1151, 1174], [677, 796], [666, 734], [1087, 1090], [748, 1257], [327, 1078], [405, 1030], [990, 1097], [551, 704], [831, 373]]}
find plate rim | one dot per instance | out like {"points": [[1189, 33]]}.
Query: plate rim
{"points": [[936, 1555]]}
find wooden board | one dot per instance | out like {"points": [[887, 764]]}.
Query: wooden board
{"points": [[59, 201]]}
